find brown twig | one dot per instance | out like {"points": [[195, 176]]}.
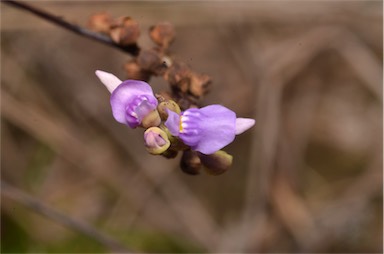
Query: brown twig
{"points": [[36, 205], [132, 49]]}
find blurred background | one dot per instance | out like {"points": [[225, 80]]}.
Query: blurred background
{"points": [[307, 178]]}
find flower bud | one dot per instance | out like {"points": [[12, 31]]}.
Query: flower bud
{"points": [[216, 163], [156, 141], [168, 104], [152, 119], [190, 162], [125, 32], [162, 34]]}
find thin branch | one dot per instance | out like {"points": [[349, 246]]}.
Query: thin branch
{"points": [[23, 198], [131, 49]]}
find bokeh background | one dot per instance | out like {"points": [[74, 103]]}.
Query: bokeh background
{"points": [[307, 178]]}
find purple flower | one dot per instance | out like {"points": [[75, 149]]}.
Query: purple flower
{"points": [[131, 100], [207, 129]]}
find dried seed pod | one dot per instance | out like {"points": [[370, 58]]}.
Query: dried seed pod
{"points": [[178, 76], [152, 61], [134, 71], [190, 162], [100, 22], [163, 34], [199, 85], [187, 84], [176, 72], [125, 31], [216, 163]]}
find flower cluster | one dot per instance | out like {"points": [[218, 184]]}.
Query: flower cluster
{"points": [[202, 131]]}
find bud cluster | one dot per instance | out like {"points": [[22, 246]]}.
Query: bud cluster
{"points": [[173, 120], [123, 31]]}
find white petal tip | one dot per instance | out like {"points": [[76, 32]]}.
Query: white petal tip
{"points": [[109, 80], [243, 124]]}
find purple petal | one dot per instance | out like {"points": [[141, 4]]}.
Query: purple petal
{"points": [[109, 80], [173, 123], [127, 102], [208, 129], [243, 124]]}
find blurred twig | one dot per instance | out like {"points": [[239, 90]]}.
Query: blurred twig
{"points": [[36, 205], [131, 49], [294, 213]]}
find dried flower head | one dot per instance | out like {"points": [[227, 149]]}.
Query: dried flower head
{"points": [[162, 34], [125, 31]]}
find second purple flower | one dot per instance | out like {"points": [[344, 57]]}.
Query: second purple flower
{"points": [[207, 129]]}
